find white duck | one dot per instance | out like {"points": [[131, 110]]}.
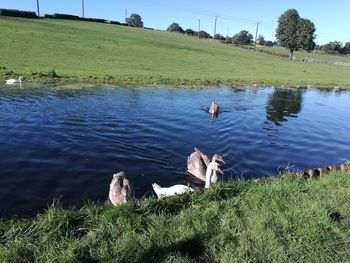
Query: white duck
{"points": [[211, 177], [172, 190], [14, 81]]}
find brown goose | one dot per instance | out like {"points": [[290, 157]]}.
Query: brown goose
{"points": [[198, 162], [120, 189], [214, 108]]}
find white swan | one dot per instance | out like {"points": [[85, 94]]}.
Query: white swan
{"points": [[14, 81], [210, 175], [169, 191]]}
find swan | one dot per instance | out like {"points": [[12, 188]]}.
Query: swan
{"points": [[197, 163], [210, 176], [120, 189], [172, 190], [214, 108], [14, 81]]}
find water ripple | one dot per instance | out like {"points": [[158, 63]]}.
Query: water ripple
{"points": [[67, 143]]}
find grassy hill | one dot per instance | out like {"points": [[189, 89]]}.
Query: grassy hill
{"points": [[283, 219], [92, 52]]}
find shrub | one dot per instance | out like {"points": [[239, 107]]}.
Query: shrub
{"points": [[175, 27], [17, 13]]}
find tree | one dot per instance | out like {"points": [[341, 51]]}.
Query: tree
{"points": [[175, 27], [261, 40], [268, 43], [287, 30], [332, 47], [346, 48], [243, 38], [203, 34], [134, 20], [294, 32], [306, 34], [219, 37], [190, 32]]}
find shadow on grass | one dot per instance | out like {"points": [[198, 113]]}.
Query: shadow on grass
{"points": [[192, 248]]}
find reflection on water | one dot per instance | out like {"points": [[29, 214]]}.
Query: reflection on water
{"points": [[283, 103], [67, 142]]}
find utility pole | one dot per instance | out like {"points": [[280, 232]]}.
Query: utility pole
{"points": [[37, 7], [228, 30], [82, 7], [256, 33], [199, 26], [216, 18], [126, 13]]}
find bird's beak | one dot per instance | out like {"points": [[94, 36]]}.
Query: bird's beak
{"points": [[220, 171]]}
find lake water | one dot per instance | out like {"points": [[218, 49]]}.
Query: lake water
{"points": [[66, 143]]}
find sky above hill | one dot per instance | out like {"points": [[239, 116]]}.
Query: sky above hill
{"points": [[330, 18]]}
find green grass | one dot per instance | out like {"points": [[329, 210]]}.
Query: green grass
{"points": [[100, 53], [283, 219], [300, 55]]}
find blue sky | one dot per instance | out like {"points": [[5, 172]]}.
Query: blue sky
{"points": [[332, 18]]}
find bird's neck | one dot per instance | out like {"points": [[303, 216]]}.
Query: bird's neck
{"points": [[208, 176]]}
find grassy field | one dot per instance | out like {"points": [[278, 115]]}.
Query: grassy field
{"points": [[99, 53], [300, 55], [283, 219]]}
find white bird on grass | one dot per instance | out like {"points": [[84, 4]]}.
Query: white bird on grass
{"points": [[14, 81], [169, 191]]}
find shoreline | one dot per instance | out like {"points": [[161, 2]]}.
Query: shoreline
{"points": [[268, 220], [163, 81]]}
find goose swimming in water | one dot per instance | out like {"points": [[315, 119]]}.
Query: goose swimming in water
{"points": [[172, 190], [14, 81], [197, 164], [214, 108], [120, 189]]}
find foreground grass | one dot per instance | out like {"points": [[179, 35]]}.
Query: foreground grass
{"points": [[99, 53], [285, 219]]}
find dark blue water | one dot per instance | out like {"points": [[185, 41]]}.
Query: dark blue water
{"points": [[67, 143]]}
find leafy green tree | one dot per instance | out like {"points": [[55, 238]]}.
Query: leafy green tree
{"points": [[175, 27], [203, 34], [190, 32], [306, 34], [219, 37], [261, 40], [295, 33], [287, 30], [346, 48], [334, 47], [242, 38], [134, 20], [268, 43]]}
